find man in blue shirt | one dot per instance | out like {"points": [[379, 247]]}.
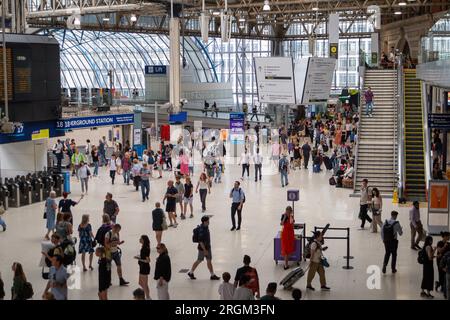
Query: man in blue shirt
{"points": [[389, 233], [57, 282], [238, 196]]}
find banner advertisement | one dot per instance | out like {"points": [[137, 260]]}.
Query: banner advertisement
{"points": [[237, 127]]}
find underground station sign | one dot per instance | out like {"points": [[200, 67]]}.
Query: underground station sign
{"points": [[96, 121]]}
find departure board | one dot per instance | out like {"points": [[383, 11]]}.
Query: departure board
{"points": [[22, 72], [9, 64]]}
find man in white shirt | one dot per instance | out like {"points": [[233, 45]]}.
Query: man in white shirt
{"points": [[257, 159], [245, 162]]}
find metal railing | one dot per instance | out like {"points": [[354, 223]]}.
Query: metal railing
{"points": [[362, 71], [399, 156]]}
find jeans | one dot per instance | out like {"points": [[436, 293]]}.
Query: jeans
{"points": [[84, 184], [390, 249], [145, 188], [126, 176], [112, 174], [203, 193], [258, 171], [284, 178], [369, 107], [363, 214], [218, 175], [245, 167], [163, 291], [2, 223], [102, 158], [234, 209], [95, 168]]}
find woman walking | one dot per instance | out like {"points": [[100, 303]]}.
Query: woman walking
{"points": [[203, 186], [163, 272], [145, 181], [287, 235], [428, 268], [136, 172], [144, 265], [86, 238], [188, 197], [377, 206], [50, 213], [95, 160], [159, 225], [83, 174]]}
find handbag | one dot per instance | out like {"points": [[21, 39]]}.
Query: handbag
{"points": [[324, 262], [45, 215], [164, 224]]}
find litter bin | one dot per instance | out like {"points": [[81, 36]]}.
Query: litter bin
{"points": [[66, 177]]}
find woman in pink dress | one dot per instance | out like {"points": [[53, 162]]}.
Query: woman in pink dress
{"points": [[184, 164], [287, 235]]}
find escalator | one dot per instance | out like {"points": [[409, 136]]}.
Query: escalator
{"points": [[415, 185]]}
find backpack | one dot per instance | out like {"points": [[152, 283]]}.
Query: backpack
{"points": [[243, 200], [422, 256], [283, 164], [27, 292], [196, 234], [253, 283], [69, 252], [388, 231], [151, 160], [101, 233]]}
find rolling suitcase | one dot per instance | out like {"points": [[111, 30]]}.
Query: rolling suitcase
{"points": [[292, 277], [332, 181], [327, 162]]}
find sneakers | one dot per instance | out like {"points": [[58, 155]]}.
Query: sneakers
{"points": [[123, 282], [214, 277], [191, 216], [325, 288], [310, 288], [394, 270], [191, 275], [183, 217]]}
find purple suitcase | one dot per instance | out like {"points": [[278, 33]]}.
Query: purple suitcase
{"points": [[296, 256]]}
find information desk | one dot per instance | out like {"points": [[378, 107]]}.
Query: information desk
{"points": [[299, 229]]}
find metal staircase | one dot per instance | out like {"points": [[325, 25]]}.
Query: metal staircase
{"points": [[377, 148], [415, 185]]}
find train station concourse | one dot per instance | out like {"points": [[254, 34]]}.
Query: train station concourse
{"points": [[209, 152]]}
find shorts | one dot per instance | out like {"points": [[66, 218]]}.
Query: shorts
{"points": [[180, 199], [201, 255], [116, 257], [171, 206], [188, 200]]}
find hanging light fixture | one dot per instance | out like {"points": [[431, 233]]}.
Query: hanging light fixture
{"points": [[397, 13], [106, 17], [133, 18], [204, 23], [225, 24], [402, 3], [266, 6]]}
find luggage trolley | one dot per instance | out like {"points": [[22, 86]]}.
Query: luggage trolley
{"points": [[300, 237]]}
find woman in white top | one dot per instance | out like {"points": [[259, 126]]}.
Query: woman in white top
{"points": [[118, 164], [377, 206], [112, 168], [83, 174], [245, 162], [203, 186]]}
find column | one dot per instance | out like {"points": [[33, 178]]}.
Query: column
{"points": [[174, 80]]}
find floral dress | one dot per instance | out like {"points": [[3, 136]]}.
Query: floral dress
{"points": [[85, 239]]}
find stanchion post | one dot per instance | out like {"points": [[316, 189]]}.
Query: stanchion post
{"points": [[348, 267]]}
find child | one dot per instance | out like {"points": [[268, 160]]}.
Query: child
{"points": [[226, 289], [104, 273]]}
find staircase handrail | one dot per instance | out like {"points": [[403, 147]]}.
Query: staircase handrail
{"points": [[362, 75], [399, 157]]}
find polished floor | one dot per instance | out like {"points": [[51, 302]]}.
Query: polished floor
{"points": [[319, 204]]}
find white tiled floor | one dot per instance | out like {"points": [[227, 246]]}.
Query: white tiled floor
{"points": [[319, 204]]}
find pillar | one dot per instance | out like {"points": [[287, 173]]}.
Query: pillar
{"points": [[174, 78]]}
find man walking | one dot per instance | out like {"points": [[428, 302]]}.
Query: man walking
{"points": [[203, 238], [283, 166], [254, 113], [251, 272], [245, 162], [306, 148], [416, 226], [58, 150], [368, 96], [238, 196], [110, 207], [389, 233], [364, 201], [112, 242], [257, 159]]}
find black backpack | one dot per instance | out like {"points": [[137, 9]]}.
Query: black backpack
{"points": [[388, 231], [196, 234], [422, 256], [27, 292], [101, 233]]}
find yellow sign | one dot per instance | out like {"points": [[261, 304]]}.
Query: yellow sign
{"points": [[40, 134], [333, 49]]}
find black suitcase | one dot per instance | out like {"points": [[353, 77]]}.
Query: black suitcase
{"points": [[292, 277], [327, 162]]}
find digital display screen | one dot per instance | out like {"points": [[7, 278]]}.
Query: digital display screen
{"points": [[8, 73]]}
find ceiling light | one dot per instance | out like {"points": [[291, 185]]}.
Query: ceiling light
{"points": [[398, 12], [106, 18], [133, 18], [266, 6], [315, 9], [216, 13], [242, 19], [402, 3]]}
